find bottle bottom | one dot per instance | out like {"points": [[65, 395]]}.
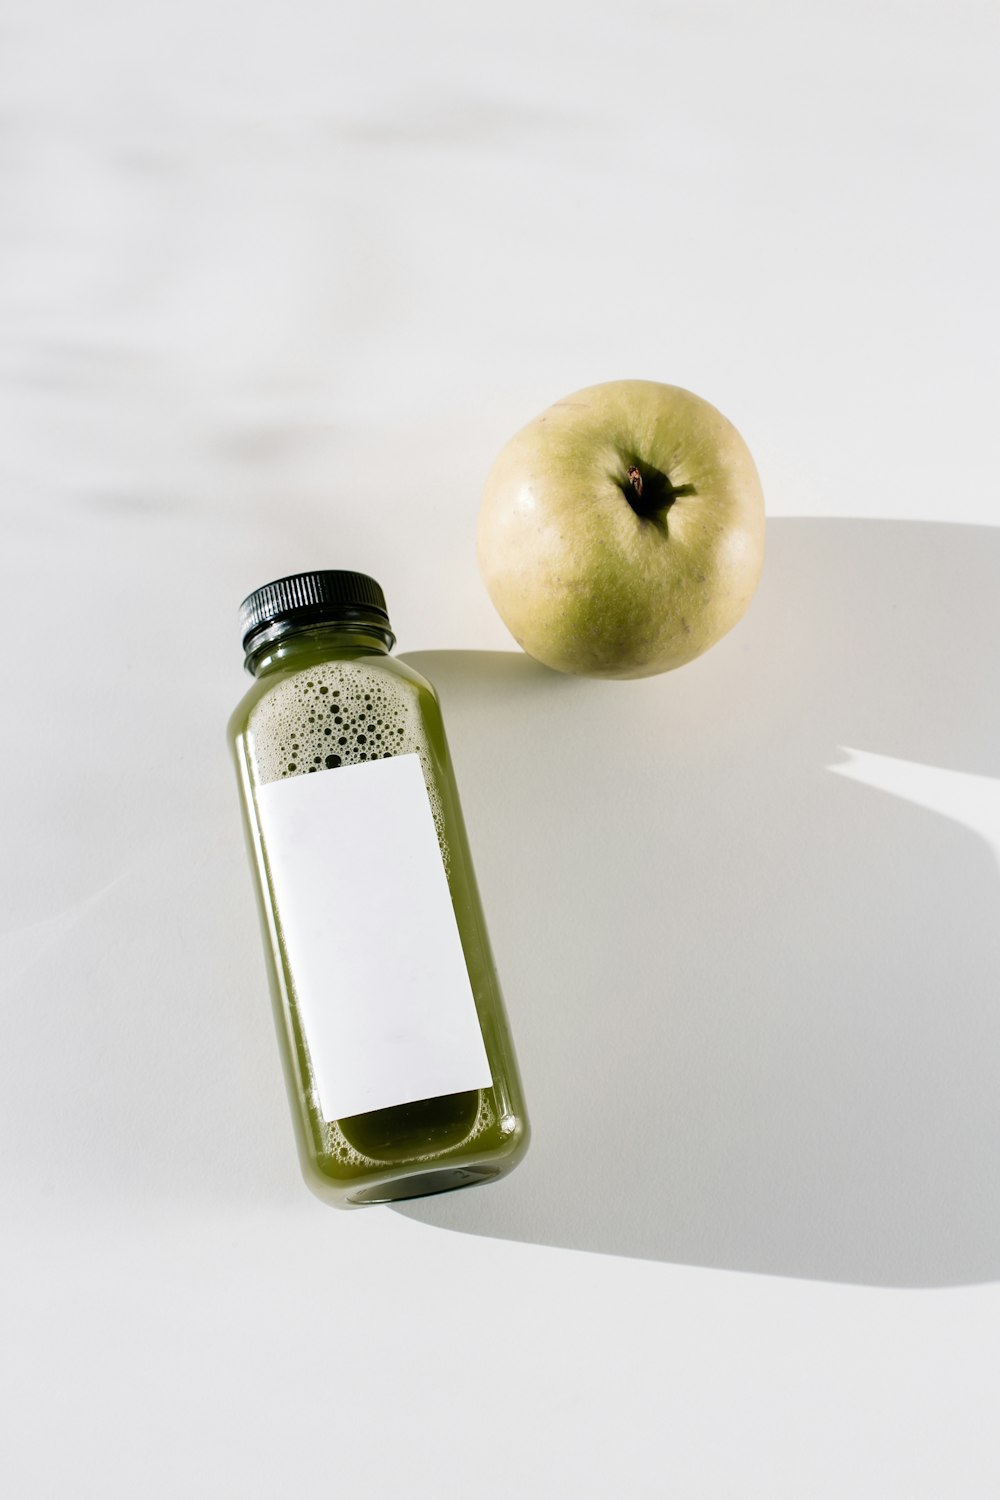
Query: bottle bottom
{"points": [[423, 1184], [412, 1150]]}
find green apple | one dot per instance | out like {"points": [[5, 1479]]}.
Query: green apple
{"points": [[622, 531]]}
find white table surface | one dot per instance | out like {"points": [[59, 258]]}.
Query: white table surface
{"points": [[277, 283]]}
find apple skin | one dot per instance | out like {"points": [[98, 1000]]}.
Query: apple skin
{"points": [[584, 582]]}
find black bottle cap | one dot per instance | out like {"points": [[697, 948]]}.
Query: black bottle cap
{"points": [[312, 599]]}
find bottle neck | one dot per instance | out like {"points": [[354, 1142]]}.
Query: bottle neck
{"points": [[287, 644]]}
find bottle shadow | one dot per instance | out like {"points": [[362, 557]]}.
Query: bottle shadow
{"points": [[755, 1001]]}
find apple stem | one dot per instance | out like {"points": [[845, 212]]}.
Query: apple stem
{"points": [[635, 480]]}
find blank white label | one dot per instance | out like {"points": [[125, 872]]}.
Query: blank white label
{"points": [[370, 936]]}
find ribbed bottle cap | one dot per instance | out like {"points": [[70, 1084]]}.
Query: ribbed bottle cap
{"points": [[311, 598]]}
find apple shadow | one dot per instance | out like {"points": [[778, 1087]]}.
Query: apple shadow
{"points": [[754, 1001]]}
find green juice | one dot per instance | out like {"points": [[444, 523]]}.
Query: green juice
{"points": [[327, 697]]}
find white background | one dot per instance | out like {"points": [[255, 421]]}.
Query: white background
{"points": [[277, 283]]}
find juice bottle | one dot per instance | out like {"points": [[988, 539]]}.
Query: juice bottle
{"points": [[394, 1038]]}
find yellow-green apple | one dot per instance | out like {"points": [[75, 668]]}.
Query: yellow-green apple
{"points": [[622, 531]]}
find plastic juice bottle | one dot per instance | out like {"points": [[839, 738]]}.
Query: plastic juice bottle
{"points": [[395, 1042]]}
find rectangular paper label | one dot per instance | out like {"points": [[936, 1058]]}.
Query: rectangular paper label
{"points": [[370, 936]]}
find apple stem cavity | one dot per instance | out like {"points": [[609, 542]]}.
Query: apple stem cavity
{"points": [[651, 493]]}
